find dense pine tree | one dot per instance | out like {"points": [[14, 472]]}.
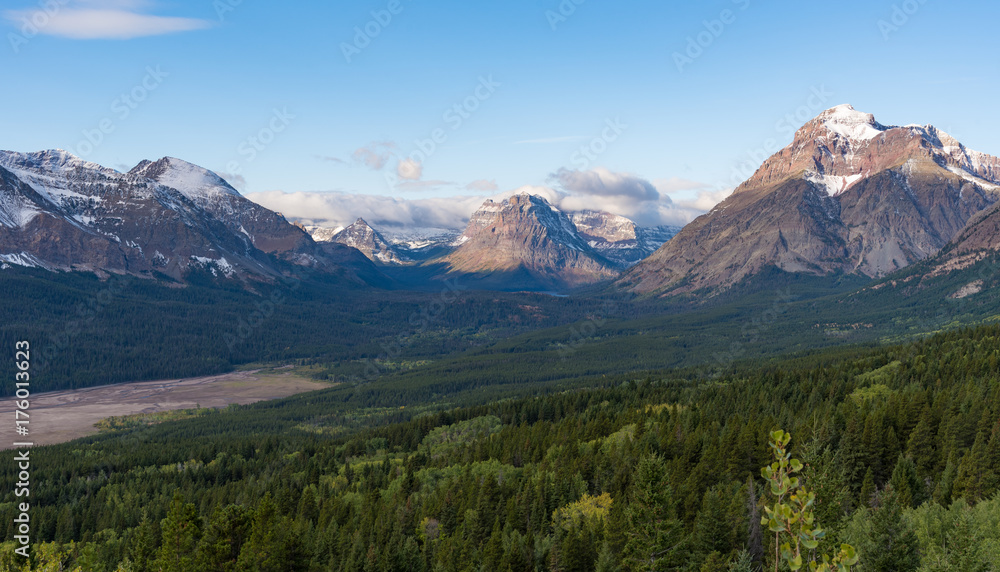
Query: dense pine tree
{"points": [[181, 532], [891, 546]]}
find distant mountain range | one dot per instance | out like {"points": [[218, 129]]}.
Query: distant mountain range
{"points": [[169, 218], [363, 237], [522, 241], [618, 238]]}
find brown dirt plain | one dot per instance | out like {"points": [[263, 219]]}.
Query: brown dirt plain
{"points": [[61, 416]]}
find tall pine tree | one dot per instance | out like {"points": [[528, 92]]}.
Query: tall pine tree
{"points": [[180, 533], [892, 544], [654, 536]]}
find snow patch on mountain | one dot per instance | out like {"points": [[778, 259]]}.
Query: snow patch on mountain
{"points": [[214, 265], [851, 124], [15, 212], [22, 259], [972, 178], [322, 234], [420, 238], [170, 207], [59, 177], [833, 184], [52, 161], [606, 226], [194, 182]]}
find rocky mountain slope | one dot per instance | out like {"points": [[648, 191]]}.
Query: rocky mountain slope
{"points": [[848, 195], [619, 239], [369, 242], [524, 235], [319, 233], [978, 241], [167, 217]]}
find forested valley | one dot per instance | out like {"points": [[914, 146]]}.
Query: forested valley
{"points": [[658, 471]]}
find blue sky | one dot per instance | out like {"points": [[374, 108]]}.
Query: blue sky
{"points": [[552, 75]]}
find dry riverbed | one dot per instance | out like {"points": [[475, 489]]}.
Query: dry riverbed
{"points": [[61, 416]]}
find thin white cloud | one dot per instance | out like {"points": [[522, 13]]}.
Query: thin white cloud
{"points": [[602, 182], [422, 185], [374, 155], [692, 194], [483, 186], [331, 159], [658, 212], [101, 20], [334, 209], [647, 203], [598, 190]]}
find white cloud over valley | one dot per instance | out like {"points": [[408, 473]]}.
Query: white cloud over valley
{"points": [[674, 201], [332, 209]]}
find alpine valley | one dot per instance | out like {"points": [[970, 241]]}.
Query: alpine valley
{"points": [[842, 220], [541, 389]]}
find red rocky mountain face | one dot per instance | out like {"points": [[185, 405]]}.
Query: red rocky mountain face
{"points": [[526, 235], [848, 195]]}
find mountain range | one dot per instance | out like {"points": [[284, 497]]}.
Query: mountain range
{"points": [[165, 219], [848, 197], [518, 242], [169, 218]]}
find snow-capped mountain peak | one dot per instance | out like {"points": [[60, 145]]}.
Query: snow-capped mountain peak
{"points": [[50, 161], [854, 125], [166, 217], [559, 226], [194, 182], [842, 147], [369, 241], [849, 195]]}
